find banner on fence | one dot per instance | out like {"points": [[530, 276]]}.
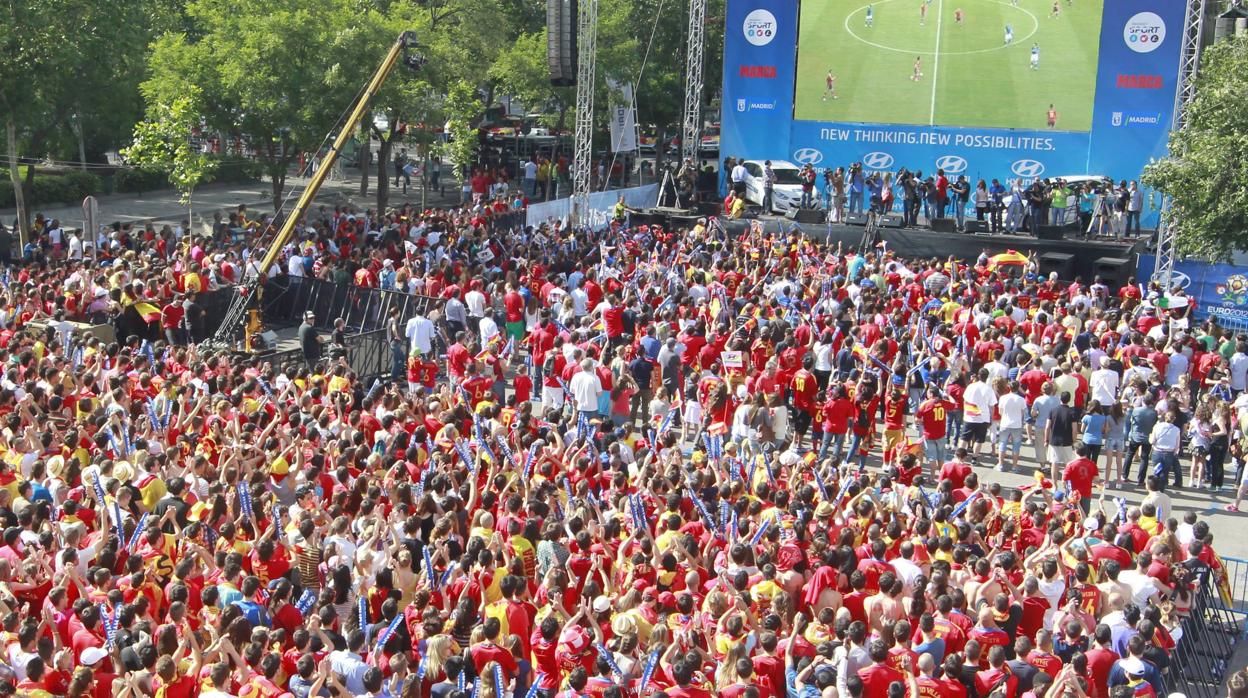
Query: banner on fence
{"points": [[600, 205], [1219, 291]]}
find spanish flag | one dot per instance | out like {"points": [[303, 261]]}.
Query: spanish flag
{"points": [[147, 311]]}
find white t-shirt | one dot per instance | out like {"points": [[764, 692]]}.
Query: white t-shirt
{"points": [[585, 388], [1104, 386], [1013, 409], [978, 401]]}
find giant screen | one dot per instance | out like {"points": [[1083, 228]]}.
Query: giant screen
{"points": [[986, 88]]}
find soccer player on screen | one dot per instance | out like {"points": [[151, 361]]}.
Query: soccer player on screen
{"points": [[1057, 10], [829, 87], [870, 15], [923, 14], [918, 68], [1035, 56], [957, 16], [1009, 35], [1052, 116]]}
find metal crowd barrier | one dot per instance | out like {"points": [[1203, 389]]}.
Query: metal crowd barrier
{"points": [[286, 298], [1211, 632], [368, 355]]}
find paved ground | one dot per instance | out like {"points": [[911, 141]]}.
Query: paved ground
{"points": [[164, 206]]}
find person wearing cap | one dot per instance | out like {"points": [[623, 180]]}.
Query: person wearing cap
{"points": [[310, 340]]}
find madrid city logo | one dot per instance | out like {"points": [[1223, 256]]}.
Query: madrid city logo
{"points": [[1144, 32], [759, 27], [877, 161], [951, 164], [1027, 169], [807, 156]]}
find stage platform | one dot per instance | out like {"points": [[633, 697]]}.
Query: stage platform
{"points": [[1070, 256]]}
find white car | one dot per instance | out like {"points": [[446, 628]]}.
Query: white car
{"points": [[787, 192]]}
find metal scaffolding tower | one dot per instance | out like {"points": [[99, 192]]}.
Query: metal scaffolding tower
{"points": [[583, 148], [1189, 64], [691, 134]]}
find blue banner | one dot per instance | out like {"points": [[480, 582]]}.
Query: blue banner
{"points": [[1219, 291], [1133, 96], [601, 206]]}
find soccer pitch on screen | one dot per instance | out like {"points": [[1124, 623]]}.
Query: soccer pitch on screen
{"points": [[949, 62]]}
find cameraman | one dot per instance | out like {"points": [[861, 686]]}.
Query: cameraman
{"points": [[855, 188], [837, 213]]}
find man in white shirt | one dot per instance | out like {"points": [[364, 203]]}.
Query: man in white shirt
{"points": [[1013, 409], [1143, 587], [1239, 367], [474, 300], [739, 175], [419, 332], [585, 388], [1165, 442], [978, 401], [294, 266], [1104, 384]]}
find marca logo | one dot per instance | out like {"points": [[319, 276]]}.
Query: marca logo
{"points": [[1027, 169], [765, 72], [807, 156], [761, 106], [759, 27], [877, 161], [951, 164], [1141, 82], [1144, 32]]}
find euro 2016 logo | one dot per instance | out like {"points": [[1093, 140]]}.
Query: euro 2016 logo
{"points": [[1144, 32], [759, 27]]}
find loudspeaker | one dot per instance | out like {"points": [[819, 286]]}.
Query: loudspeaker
{"points": [[942, 225], [1113, 270], [561, 41], [1049, 232], [890, 221], [805, 215], [855, 219], [975, 227]]}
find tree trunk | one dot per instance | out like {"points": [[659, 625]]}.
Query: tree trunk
{"points": [[366, 156], [279, 186], [19, 196], [383, 175]]}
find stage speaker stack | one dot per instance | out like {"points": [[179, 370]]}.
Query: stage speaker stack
{"points": [[805, 215], [976, 227], [942, 225], [890, 221], [561, 42], [855, 219], [1049, 232], [1113, 270]]}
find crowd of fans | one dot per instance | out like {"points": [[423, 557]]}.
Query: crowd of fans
{"points": [[638, 461]]}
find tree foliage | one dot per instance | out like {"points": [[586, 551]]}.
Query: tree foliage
{"points": [[1206, 174], [462, 106], [163, 142], [270, 72]]}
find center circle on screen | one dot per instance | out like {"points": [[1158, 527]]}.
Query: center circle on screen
{"points": [[1026, 20]]}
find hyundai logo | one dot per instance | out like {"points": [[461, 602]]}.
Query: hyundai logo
{"points": [[1027, 169], [877, 161], [807, 156], [1177, 278], [951, 164]]}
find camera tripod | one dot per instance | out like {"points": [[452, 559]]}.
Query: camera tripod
{"points": [[871, 233]]}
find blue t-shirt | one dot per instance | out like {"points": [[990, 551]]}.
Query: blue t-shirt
{"points": [[1093, 429]]}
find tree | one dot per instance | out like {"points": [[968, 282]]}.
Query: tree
{"points": [[1206, 174], [462, 107], [522, 72], [69, 75], [163, 142], [271, 72]]}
